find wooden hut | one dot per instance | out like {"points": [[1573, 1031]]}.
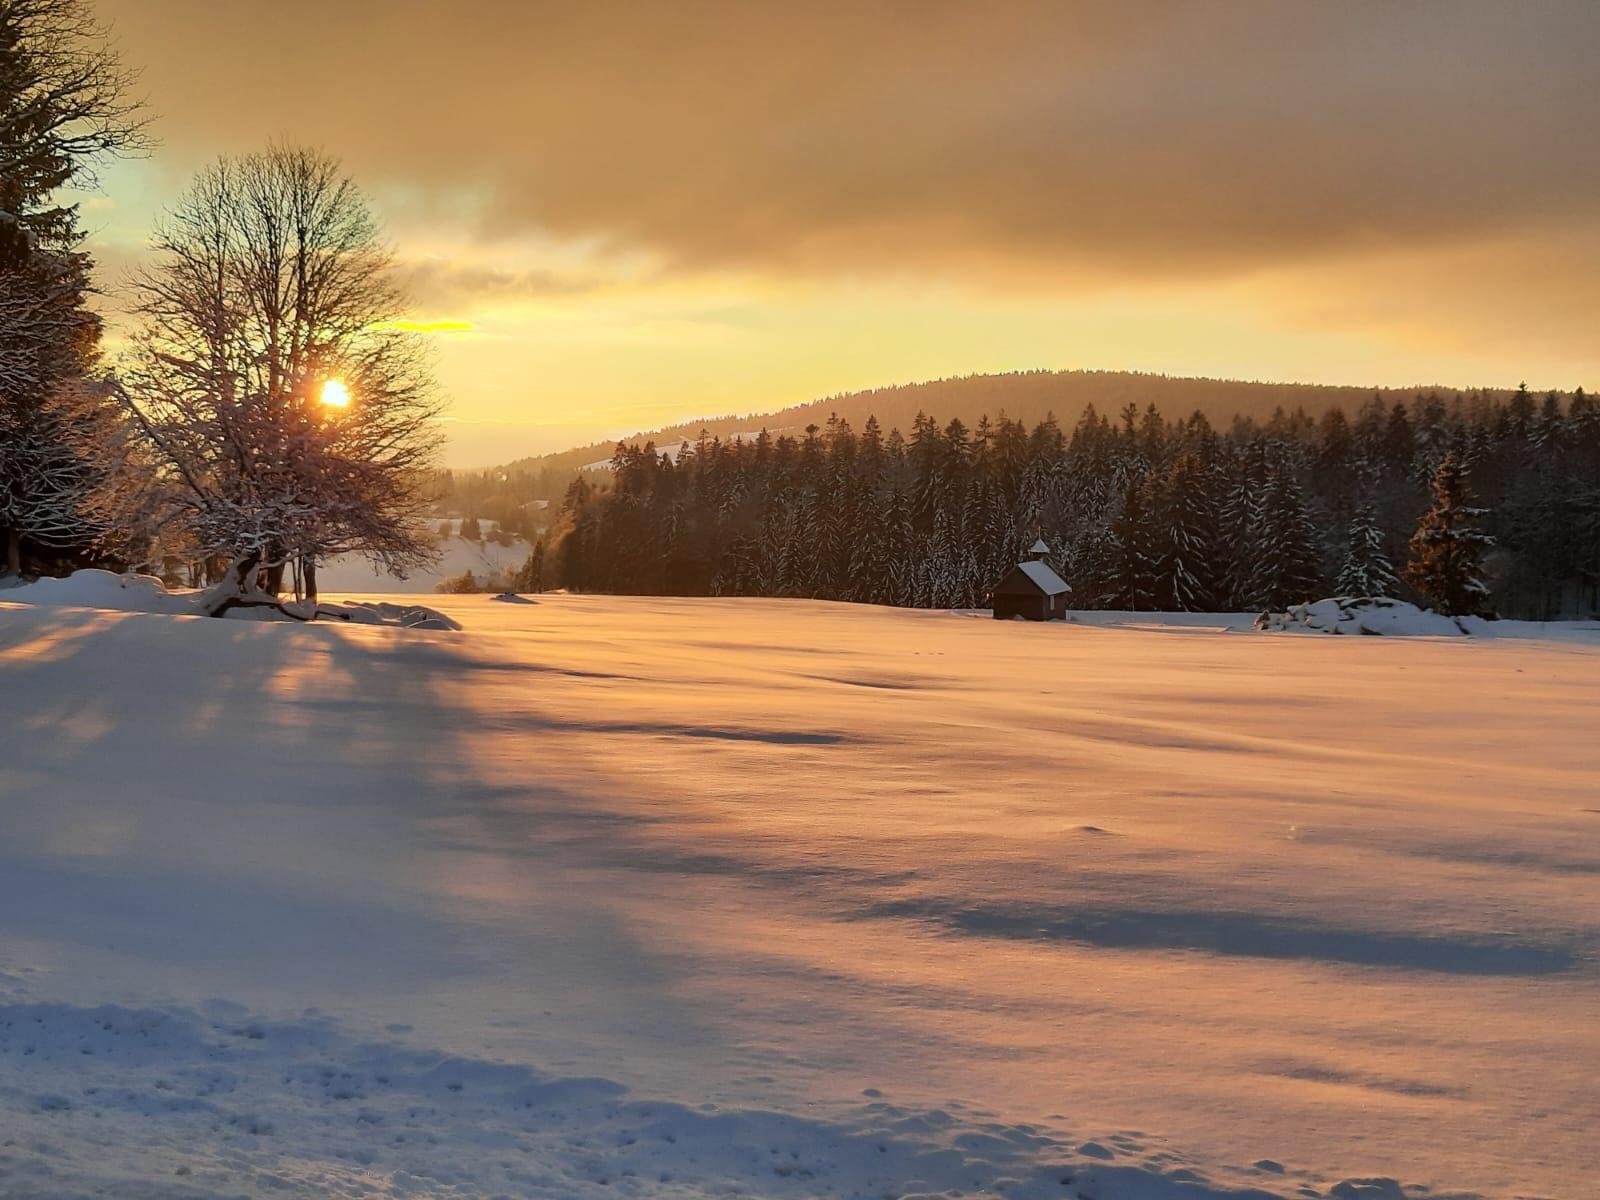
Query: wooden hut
{"points": [[1031, 590]]}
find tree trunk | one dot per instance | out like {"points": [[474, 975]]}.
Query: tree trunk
{"points": [[308, 570], [240, 588], [238, 582], [13, 551]]}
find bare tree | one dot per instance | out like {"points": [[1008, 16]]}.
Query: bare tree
{"points": [[287, 415], [63, 106]]}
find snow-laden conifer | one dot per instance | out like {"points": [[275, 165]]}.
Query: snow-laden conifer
{"points": [[1283, 567], [1366, 570], [1447, 550], [64, 105]]}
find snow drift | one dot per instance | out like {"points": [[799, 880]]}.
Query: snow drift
{"points": [[147, 594], [1375, 615], [102, 589], [216, 1101]]}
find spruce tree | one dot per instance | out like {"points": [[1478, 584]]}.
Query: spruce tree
{"points": [[1447, 549], [63, 106], [1186, 574], [1284, 570], [1094, 558], [530, 576], [1239, 527], [1366, 570], [1136, 556], [899, 548], [869, 561]]}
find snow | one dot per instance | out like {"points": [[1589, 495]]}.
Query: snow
{"points": [[383, 612], [1046, 580], [1397, 618], [1364, 615], [102, 589], [1164, 622], [352, 573], [681, 898], [147, 594], [1403, 620]]}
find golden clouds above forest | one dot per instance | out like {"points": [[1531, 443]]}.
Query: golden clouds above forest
{"points": [[528, 153]]}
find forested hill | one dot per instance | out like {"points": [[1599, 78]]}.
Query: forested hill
{"points": [[1466, 505], [1026, 396]]}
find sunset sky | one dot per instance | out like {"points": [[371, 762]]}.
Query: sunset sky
{"points": [[612, 216]]}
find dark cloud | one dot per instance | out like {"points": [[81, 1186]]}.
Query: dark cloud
{"points": [[1076, 142], [439, 285]]}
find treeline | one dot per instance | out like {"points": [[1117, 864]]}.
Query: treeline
{"points": [[1027, 396], [1141, 512]]}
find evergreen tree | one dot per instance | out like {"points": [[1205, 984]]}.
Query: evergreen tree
{"points": [[1186, 579], [1134, 552], [1239, 527], [1366, 570], [1284, 569], [530, 575], [1399, 439], [463, 584], [63, 106], [1447, 549], [899, 543]]}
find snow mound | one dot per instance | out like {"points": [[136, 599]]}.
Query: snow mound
{"points": [[1361, 615], [381, 612], [147, 594], [512, 598], [103, 589]]}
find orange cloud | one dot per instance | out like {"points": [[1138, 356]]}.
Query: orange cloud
{"points": [[720, 205]]}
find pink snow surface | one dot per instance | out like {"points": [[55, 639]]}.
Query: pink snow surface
{"points": [[681, 898]]}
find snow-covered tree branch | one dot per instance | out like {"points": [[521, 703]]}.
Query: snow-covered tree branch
{"points": [[271, 295]]}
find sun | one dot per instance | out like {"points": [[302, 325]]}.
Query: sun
{"points": [[335, 394]]}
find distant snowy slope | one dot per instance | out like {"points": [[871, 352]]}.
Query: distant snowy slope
{"points": [[353, 574]]}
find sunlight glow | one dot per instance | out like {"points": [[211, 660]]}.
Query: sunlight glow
{"points": [[335, 394], [447, 325]]}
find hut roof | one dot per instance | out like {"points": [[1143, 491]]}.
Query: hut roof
{"points": [[1039, 547], [1040, 576]]}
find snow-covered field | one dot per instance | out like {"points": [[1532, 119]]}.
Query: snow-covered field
{"points": [[681, 898]]}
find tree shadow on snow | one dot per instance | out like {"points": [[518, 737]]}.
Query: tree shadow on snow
{"points": [[1242, 934]]}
